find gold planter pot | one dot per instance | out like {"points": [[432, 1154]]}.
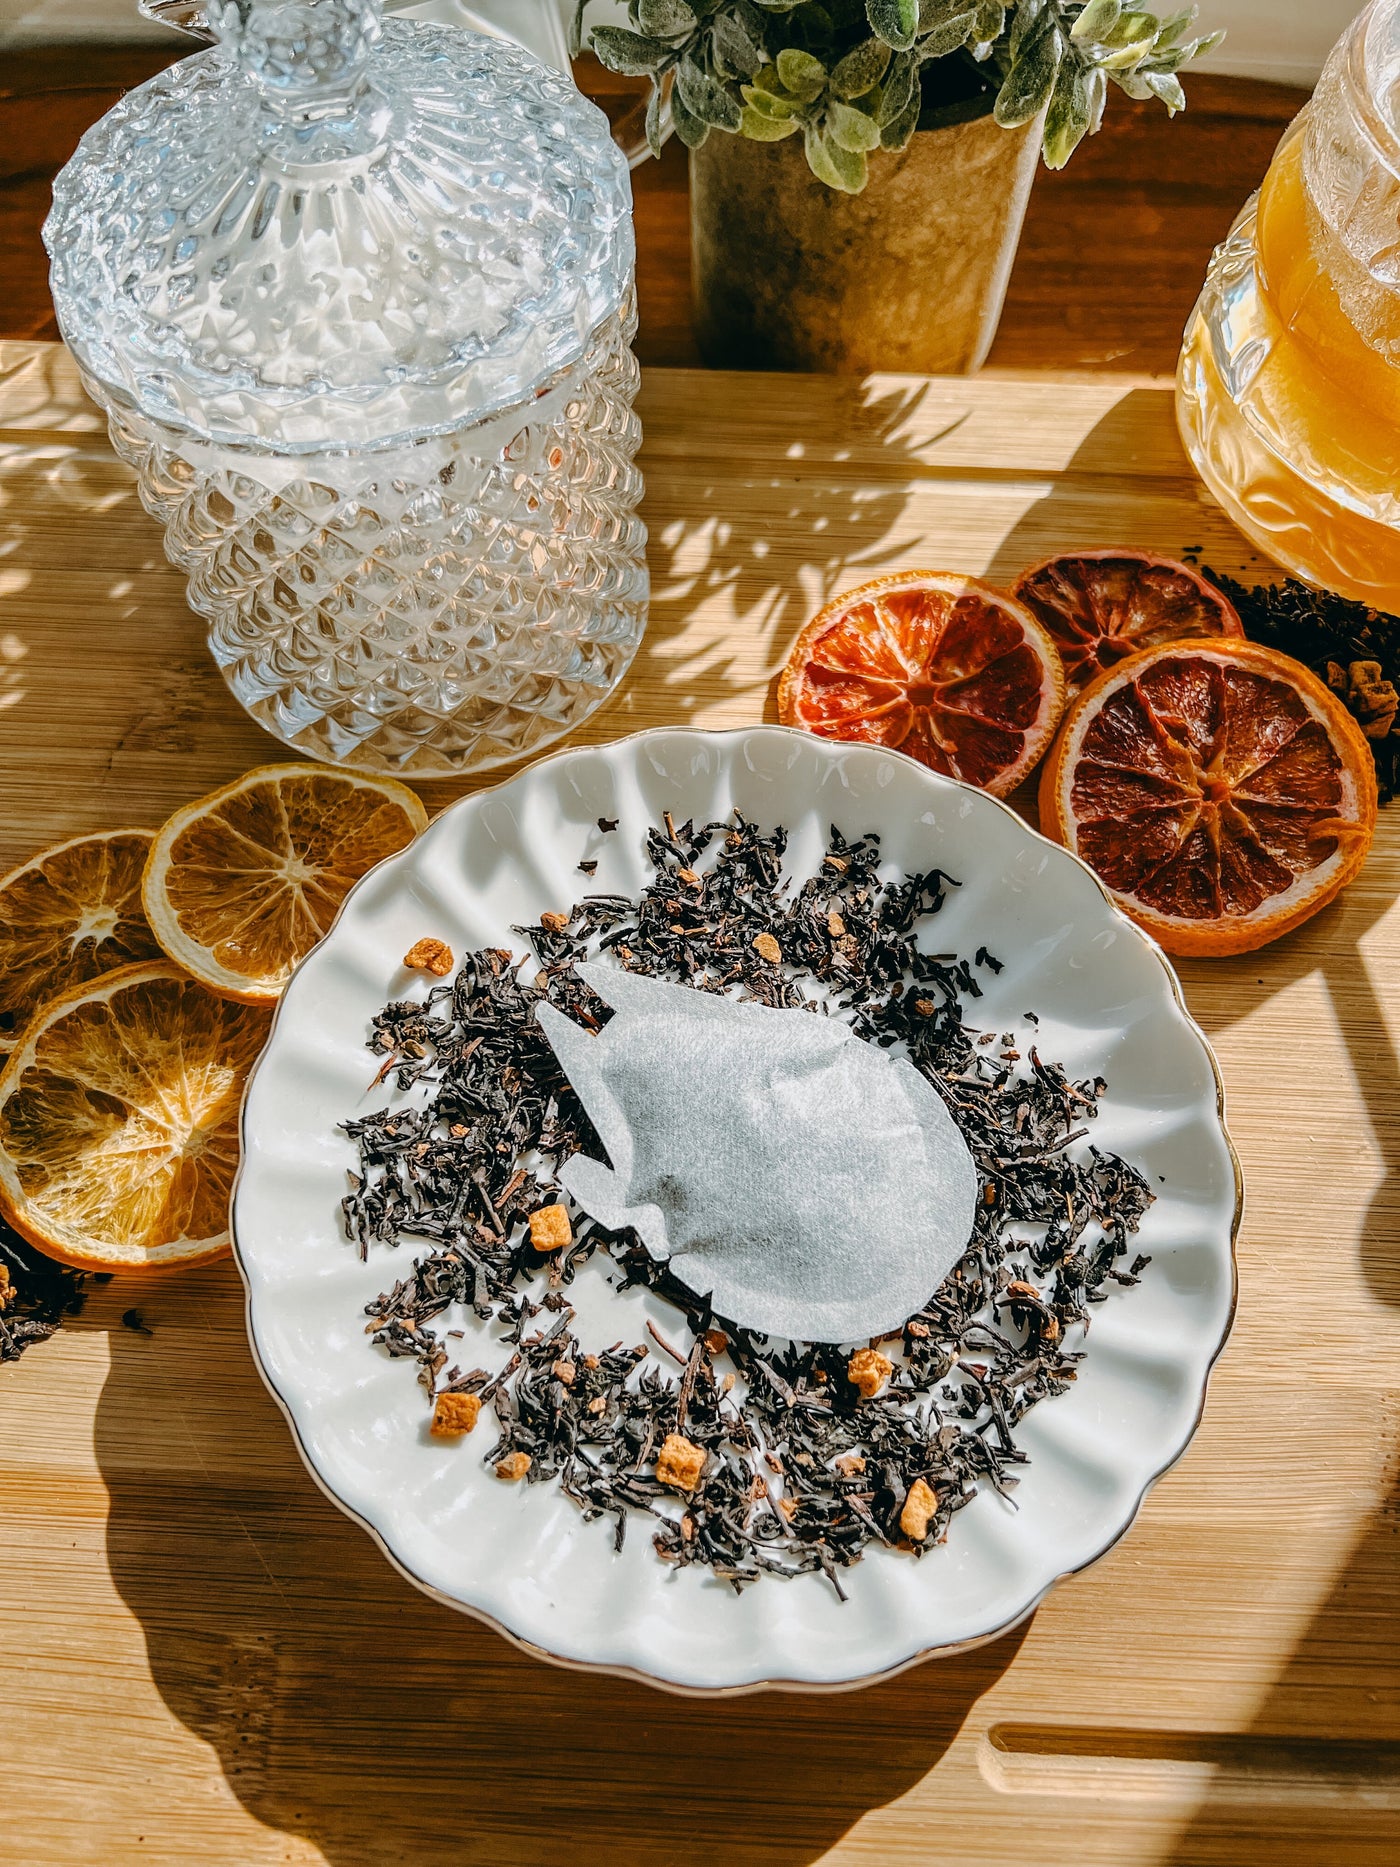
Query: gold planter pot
{"points": [[910, 275]]}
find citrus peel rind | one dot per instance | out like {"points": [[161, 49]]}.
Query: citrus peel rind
{"points": [[70, 914], [241, 884], [119, 1117], [1102, 606], [940, 666], [1220, 791]]}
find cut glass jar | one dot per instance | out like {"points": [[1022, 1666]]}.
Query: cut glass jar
{"points": [[356, 296]]}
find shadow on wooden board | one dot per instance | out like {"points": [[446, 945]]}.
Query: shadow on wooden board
{"points": [[1316, 1778], [346, 1707]]}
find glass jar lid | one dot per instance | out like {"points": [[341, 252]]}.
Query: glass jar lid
{"points": [[335, 230]]}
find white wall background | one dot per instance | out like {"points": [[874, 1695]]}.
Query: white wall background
{"points": [[1282, 39]]}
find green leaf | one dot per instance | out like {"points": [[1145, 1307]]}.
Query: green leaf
{"points": [[861, 69], [1027, 13], [1097, 20], [901, 88], [991, 18], [769, 104], [837, 167], [661, 19], [1171, 29], [655, 106], [851, 128], [1167, 86], [1096, 85], [629, 52], [894, 21], [896, 134], [952, 34], [1134, 85], [802, 74], [1129, 27], [934, 12], [761, 129], [705, 97], [1027, 86], [691, 130], [1122, 57], [734, 48], [1068, 116]]}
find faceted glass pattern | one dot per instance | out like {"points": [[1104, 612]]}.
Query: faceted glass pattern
{"points": [[357, 298], [428, 609]]}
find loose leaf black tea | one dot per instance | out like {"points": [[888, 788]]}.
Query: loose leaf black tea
{"points": [[35, 1294], [751, 1455], [1354, 648]]}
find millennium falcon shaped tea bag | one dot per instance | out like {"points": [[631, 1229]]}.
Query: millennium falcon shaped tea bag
{"points": [[810, 1184]]}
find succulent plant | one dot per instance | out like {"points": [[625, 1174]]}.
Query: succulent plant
{"points": [[850, 75]]}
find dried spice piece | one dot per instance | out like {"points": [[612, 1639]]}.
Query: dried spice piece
{"points": [[454, 1414], [35, 1294], [801, 1472], [513, 1467], [920, 1509], [550, 1229], [679, 1463], [1368, 695], [868, 1370], [427, 955], [767, 948]]}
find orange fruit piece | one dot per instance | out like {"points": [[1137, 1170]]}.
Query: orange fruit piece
{"points": [[1219, 790], [946, 668], [241, 884], [119, 1120], [67, 915], [1101, 606]]}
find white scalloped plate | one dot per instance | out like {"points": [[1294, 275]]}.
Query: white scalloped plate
{"points": [[520, 1556]]}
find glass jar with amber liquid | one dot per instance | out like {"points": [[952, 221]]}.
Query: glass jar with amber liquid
{"points": [[1288, 393]]}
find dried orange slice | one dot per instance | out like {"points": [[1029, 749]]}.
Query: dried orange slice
{"points": [[1220, 790], [959, 675], [1101, 606], [242, 884], [119, 1120], [70, 914]]}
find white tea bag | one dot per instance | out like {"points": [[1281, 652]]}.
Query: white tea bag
{"points": [[809, 1183]]}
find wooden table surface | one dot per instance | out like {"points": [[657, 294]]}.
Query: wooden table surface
{"points": [[202, 1661]]}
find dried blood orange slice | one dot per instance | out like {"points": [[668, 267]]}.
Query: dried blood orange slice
{"points": [[1219, 789], [1101, 606], [959, 675]]}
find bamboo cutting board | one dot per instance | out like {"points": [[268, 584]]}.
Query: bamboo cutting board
{"points": [[202, 1661]]}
